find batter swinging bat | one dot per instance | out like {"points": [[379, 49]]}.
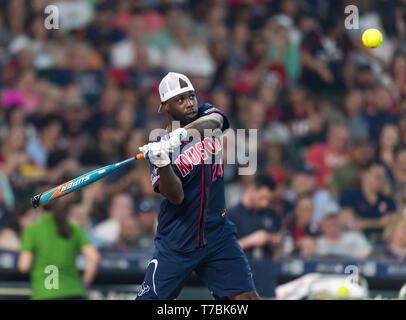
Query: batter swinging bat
{"points": [[79, 182]]}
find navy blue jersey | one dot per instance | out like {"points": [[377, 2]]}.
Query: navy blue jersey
{"points": [[200, 218], [247, 222], [356, 200]]}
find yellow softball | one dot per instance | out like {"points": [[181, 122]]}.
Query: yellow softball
{"points": [[372, 38], [343, 291]]}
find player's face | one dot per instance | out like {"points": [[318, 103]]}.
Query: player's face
{"points": [[182, 107]]}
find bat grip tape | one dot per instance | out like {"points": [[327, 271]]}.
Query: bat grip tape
{"points": [[35, 200]]}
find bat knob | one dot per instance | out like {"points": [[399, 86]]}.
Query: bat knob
{"points": [[35, 200]]}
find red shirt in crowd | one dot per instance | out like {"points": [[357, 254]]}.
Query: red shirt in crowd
{"points": [[324, 159]]}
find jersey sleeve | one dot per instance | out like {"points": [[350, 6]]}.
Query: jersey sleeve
{"points": [[206, 109], [27, 241]]}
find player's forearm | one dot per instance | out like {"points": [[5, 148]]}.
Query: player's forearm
{"points": [[212, 122], [170, 185]]}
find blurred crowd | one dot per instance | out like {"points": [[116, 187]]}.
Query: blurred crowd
{"points": [[330, 114]]}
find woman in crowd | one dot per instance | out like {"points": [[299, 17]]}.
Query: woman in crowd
{"points": [[48, 251]]}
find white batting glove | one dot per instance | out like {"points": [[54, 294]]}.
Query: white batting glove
{"points": [[173, 140], [156, 153], [171, 144], [180, 132]]}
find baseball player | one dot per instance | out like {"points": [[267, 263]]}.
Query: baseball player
{"points": [[193, 233]]}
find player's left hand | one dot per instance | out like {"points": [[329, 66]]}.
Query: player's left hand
{"points": [[181, 133], [173, 140]]}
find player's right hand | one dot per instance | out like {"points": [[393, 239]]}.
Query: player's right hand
{"points": [[157, 153]]}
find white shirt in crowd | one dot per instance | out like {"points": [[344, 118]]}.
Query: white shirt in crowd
{"points": [[352, 244]]}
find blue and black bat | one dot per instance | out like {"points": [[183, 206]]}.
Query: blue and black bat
{"points": [[79, 182]]}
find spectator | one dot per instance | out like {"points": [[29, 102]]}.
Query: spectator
{"points": [[327, 156], [132, 51], [398, 187], [237, 187], [19, 220], [388, 141], [219, 53], [380, 112], [38, 44], [325, 67], [121, 210], [333, 241], [50, 103], [39, 148], [240, 34], [16, 117], [163, 38], [353, 108], [303, 118], [283, 44], [13, 154], [253, 117], [102, 33], [304, 182], [347, 176], [188, 56], [7, 200], [281, 204], [106, 149], [394, 248], [258, 231], [129, 235], [402, 127], [366, 208], [128, 177], [78, 214], [126, 119], [268, 94], [25, 93], [275, 139], [398, 73], [109, 105], [147, 217], [52, 240], [75, 114], [300, 225], [74, 14]]}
